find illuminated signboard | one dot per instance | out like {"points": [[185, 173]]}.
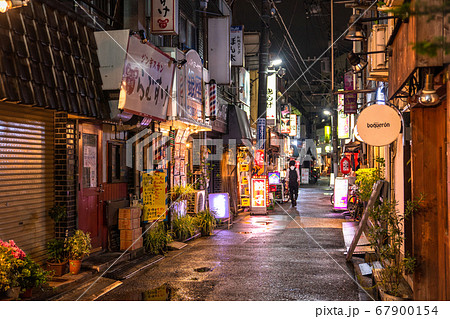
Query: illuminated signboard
{"points": [[271, 99], [259, 192], [340, 193], [285, 119], [327, 133], [219, 203], [293, 125], [343, 125], [274, 178]]}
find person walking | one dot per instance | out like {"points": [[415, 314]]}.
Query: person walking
{"points": [[293, 179]]}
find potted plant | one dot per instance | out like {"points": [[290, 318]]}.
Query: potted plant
{"points": [[184, 227], [11, 262], [31, 276], [386, 237], [77, 246], [206, 221], [156, 239], [57, 257]]}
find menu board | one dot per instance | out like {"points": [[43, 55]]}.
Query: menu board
{"points": [[154, 195]]}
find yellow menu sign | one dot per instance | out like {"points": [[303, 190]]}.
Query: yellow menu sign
{"points": [[154, 195]]}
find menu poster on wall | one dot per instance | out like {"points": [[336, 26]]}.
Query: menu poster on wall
{"points": [[154, 195], [182, 166]]}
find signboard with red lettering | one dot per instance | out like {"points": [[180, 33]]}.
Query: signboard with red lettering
{"points": [[259, 192], [164, 17], [346, 166], [147, 80]]}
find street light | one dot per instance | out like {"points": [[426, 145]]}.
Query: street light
{"points": [[6, 5], [276, 62], [326, 112]]}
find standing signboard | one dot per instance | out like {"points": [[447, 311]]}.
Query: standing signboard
{"points": [[305, 176], [154, 195], [259, 196], [164, 17], [237, 45], [219, 203], [146, 81], [340, 193]]}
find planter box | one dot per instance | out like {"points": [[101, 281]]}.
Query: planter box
{"points": [[130, 234], [129, 213], [405, 290], [124, 244], [132, 223]]}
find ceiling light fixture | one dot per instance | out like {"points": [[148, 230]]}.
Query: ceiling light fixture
{"points": [[428, 96]]}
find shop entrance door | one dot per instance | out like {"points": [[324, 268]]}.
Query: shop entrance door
{"points": [[90, 217]]}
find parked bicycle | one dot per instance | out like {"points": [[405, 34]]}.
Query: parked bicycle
{"points": [[355, 204]]}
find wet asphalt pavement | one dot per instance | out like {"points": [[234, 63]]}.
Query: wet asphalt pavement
{"points": [[291, 254]]}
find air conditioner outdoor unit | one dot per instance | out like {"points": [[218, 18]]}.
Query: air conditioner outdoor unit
{"points": [[378, 66], [196, 202]]}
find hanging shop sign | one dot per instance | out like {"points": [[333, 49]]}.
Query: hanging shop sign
{"points": [[274, 178], [261, 133], [271, 100], [194, 76], [285, 119], [258, 168], [327, 133], [146, 81], [379, 125], [340, 101], [237, 45], [346, 165], [260, 189], [219, 49], [164, 17], [293, 125], [154, 195], [244, 86], [340, 193], [219, 203], [343, 125], [350, 100]]}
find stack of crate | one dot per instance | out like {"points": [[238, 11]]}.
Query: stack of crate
{"points": [[130, 228]]}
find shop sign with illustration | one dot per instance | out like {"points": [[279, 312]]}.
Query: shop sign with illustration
{"points": [[285, 119], [258, 167], [154, 195], [237, 45], [147, 80], [164, 17]]}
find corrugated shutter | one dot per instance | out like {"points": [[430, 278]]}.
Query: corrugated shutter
{"points": [[26, 177]]}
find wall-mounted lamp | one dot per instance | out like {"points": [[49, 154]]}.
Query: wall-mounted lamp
{"points": [[428, 96], [355, 27], [356, 62], [6, 5]]}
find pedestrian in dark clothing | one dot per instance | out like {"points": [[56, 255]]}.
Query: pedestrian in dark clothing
{"points": [[293, 179]]}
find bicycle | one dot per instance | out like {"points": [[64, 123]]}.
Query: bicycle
{"points": [[355, 205]]}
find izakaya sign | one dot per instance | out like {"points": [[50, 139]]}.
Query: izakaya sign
{"points": [[271, 100], [379, 125], [236, 45], [285, 119], [164, 17], [259, 192], [146, 81], [194, 76]]}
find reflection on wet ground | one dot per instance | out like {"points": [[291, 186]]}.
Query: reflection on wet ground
{"points": [[162, 293]]}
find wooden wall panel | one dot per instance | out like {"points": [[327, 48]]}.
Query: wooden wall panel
{"points": [[115, 191]]}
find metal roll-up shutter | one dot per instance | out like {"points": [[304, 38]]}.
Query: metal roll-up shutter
{"points": [[26, 177]]}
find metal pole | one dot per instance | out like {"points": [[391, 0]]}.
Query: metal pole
{"points": [[334, 112]]}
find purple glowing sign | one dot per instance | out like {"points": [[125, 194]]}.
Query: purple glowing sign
{"points": [[219, 203], [274, 178], [340, 193]]}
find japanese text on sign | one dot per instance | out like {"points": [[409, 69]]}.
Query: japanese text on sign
{"points": [[259, 192], [236, 47], [164, 17], [154, 195]]}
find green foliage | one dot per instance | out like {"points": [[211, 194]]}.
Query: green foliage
{"points": [[156, 239], [56, 251], [58, 213], [386, 237], [10, 269], [32, 275], [184, 227], [367, 177], [179, 193], [78, 245], [206, 221], [431, 48]]}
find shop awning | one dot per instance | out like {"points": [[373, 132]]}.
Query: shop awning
{"points": [[48, 59], [352, 147], [238, 125]]}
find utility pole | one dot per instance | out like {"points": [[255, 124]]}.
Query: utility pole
{"points": [[262, 77], [334, 112]]}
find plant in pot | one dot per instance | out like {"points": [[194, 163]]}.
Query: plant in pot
{"points": [[11, 263], [31, 276], [57, 257], [206, 221], [184, 227], [386, 237], [156, 239], [78, 246]]}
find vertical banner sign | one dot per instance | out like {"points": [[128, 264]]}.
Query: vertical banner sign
{"points": [[343, 125], [271, 100], [258, 168], [219, 49], [244, 86], [154, 195], [237, 45], [259, 192], [146, 81], [194, 77], [293, 125], [350, 105], [164, 17], [340, 193], [213, 99], [327, 130], [285, 119], [261, 134]]}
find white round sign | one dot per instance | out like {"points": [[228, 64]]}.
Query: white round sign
{"points": [[379, 125]]}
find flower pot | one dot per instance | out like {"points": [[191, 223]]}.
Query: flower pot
{"points": [[58, 269], [384, 296], [74, 266], [13, 293], [27, 293]]}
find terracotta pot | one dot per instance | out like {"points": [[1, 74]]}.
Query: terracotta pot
{"points": [[27, 293], [74, 266], [58, 269]]}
